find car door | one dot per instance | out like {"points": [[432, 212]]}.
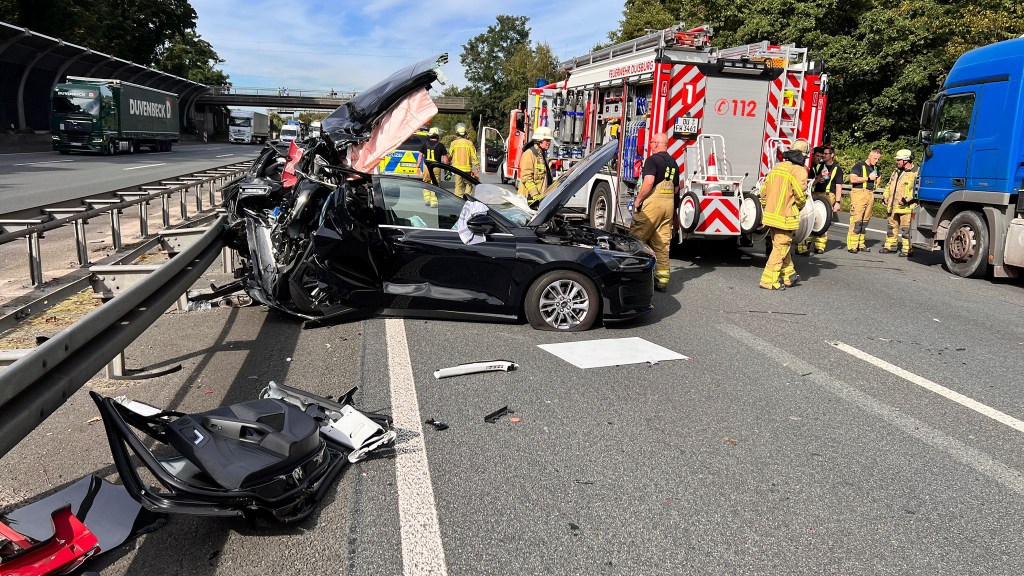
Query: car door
{"points": [[492, 150], [948, 152], [430, 269]]}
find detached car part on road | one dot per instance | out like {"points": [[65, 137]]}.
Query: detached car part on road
{"points": [[324, 240]]}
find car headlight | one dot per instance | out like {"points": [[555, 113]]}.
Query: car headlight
{"points": [[628, 262]]}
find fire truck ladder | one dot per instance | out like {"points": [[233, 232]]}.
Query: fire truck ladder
{"points": [[792, 60], [658, 39]]}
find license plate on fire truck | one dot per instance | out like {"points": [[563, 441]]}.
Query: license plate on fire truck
{"points": [[686, 126]]}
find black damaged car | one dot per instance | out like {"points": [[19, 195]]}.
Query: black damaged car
{"points": [[335, 242]]}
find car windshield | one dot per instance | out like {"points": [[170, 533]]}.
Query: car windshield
{"points": [[76, 105], [241, 122], [289, 130], [508, 204]]}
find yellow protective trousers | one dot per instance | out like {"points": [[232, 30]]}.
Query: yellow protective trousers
{"points": [[653, 226], [899, 229], [462, 186], [861, 202], [779, 270], [429, 197]]}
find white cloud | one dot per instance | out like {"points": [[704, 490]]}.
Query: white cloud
{"points": [[321, 44]]}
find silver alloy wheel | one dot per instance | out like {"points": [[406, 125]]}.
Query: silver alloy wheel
{"points": [[564, 304], [600, 212]]}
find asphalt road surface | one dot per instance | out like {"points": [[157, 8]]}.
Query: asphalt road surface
{"points": [[867, 421], [38, 178]]}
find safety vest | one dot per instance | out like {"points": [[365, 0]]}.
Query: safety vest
{"points": [[831, 175], [901, 187], [783, 194], [866, 184]]}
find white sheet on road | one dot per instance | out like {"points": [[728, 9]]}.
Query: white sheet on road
{"points": [[611, 352]]}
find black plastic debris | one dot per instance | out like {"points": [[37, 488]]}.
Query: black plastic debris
{"points": [[439, 426], [497, 414]]}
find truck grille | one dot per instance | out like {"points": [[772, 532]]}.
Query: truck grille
{"points": [[77, 137]]}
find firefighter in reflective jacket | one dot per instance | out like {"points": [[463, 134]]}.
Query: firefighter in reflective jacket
{"points": [[899, 203], [432, 151], [463, 155], [534, 174], [783, 194], [652, 222], [863, 178]]}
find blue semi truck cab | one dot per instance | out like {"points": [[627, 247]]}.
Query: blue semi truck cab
{"points": [[972, 172]]}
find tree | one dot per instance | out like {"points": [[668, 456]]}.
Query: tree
{"points": [[483, 57], [191, 57], [522, 71]]}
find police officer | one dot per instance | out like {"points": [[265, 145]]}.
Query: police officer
{"points": [[655, 204], [863, 177], [463, 155], [783, 194], [432, 151], [899, 203], [534, 172]]}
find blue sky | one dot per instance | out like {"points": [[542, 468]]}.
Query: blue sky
{"points": [[345, 45]]}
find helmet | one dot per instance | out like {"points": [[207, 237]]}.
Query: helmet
{"points": [[542, 133], [801, 145], [904, 154], [435, 132], [460, 129]]}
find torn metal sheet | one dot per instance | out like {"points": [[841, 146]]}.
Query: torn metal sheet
{"points": [[611, 352], [475, 368]]}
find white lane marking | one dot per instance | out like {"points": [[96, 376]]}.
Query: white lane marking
{"points": [[868, 229], [927, 384], [967, 455], [223, 155], [43, 162], [146, 166], [422, 550]]}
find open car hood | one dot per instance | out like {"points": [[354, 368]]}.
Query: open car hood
{"points": [[568, 184], [355, 120]]}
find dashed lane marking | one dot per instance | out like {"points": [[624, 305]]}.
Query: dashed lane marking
{"points": [[422, 549], [223, 155], [868, 229], [927, 384], [146, 166], [43, 162]]}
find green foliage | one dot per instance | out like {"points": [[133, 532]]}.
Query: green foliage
{"points": [[191, 57], [884, 58], [310, 117], [276, 122], [157, 33]]}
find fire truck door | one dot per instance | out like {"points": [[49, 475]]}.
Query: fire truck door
{"points": [[735, 108]]}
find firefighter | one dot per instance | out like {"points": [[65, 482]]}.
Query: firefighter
{"points": [[783, 194], [432, 151], [863, 178], [655, 205], [899, 203], [463, 155], [534, 173]]}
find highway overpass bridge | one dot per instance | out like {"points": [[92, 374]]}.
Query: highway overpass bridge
{"points": [[288, 99]]}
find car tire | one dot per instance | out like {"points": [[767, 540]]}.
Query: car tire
{"points": [[965, 249], [111, 147], [170, 146], [600, 211], [552, 297]]}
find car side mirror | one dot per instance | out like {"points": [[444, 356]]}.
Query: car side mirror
{"points": [[925, 136], [481, 224]]}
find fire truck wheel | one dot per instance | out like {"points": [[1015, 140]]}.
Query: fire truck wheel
{"points": [[822, 217], [601, 207], [751, 213], [965, 249], [689, 212]]}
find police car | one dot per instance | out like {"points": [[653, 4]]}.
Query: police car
{"points": [[404, 160]]}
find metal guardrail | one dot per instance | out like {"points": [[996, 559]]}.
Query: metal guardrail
{"points": [[38, 383], [281, 91], [24, 225]]}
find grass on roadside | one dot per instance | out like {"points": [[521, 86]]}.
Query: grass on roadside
{"points": [[50, 322]]}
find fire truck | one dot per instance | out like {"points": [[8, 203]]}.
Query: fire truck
{"points": [[754, 100]]}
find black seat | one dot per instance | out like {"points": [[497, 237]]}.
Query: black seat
{"points": [[245, 444]]}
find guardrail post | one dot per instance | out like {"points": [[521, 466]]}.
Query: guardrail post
{"points": [[144, 219], [115, 368], [165, 202], [228, 258], [81, 243], [115, 228], [35, 259], [199, 197], [183, 204], [213, 194]]}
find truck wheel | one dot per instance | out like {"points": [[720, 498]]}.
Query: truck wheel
{"points": [[601, 207], [64, 152], [111, 147], [965, 249], [563, 301], [170, 146], [689, 212]]}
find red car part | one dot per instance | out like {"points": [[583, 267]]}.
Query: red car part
{"points": [[71, 544]]}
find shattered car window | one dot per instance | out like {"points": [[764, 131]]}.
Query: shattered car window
{"points": [[419, 205], [510, 205]]}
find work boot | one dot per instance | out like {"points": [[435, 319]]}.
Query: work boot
{"points": [[819, 250], [902, 254], [770, 287], [851, 250], [886, 250], [793, 280], [661, 287], [864, 249]]}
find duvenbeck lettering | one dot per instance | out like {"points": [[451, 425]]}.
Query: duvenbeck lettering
{"points": [[632, 69], [143, 108]]}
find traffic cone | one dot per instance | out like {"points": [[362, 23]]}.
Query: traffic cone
{"points": [[712, 176]]}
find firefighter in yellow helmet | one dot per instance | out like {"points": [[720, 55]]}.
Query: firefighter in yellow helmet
{"points": [[432, 151], [463, 156], [863, 178], [783, 194], [534, 173], [899, 203], [655, 205]]}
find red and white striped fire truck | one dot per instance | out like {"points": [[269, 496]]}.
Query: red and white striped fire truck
{"points": [[729, 114]]}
